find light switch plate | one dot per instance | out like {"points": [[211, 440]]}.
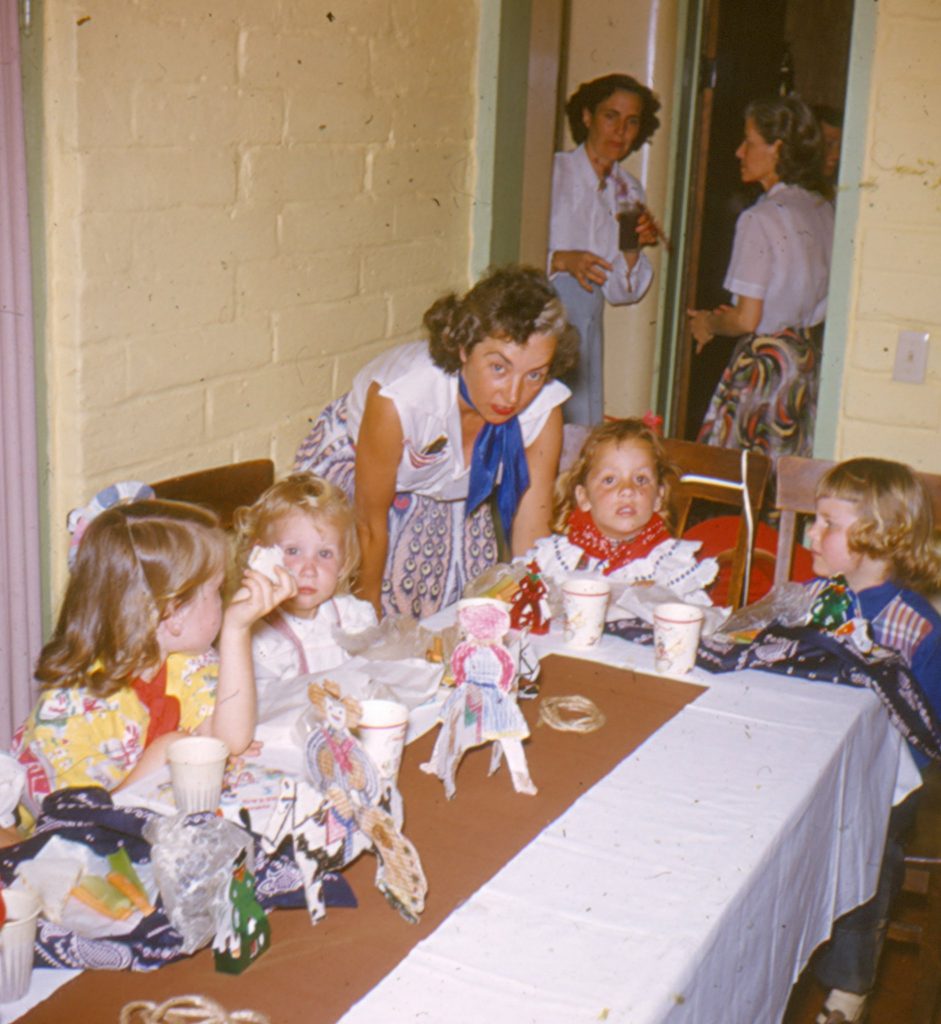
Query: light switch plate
{"points": [[911, 357]]}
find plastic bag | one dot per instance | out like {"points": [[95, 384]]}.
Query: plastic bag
{"points": [[395, 638], [500, 581], [788, 604], [193, 857], [12, 782]]}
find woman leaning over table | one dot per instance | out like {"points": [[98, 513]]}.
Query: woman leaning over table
{"points": [[766, 398], [431, 429], [609, 118]]}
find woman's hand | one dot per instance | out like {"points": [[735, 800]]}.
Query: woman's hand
{"points": [[648, 230], [586, 267], [700, 326], [730, 321]]}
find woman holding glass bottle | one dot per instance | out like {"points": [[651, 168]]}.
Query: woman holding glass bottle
{"points": [[609, 117]]}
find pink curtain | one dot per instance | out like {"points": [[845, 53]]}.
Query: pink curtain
{"points": [[20, 624]]}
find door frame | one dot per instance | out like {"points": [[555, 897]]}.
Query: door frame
{"points": [[674, 331]]}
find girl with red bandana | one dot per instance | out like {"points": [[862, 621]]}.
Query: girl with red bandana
{"points": [[609, 516]]}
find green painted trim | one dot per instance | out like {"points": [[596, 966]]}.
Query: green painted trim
{"points": [[671, 318], [502, 76], [849, 192]]}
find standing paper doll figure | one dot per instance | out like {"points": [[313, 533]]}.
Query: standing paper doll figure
{"points": [[482, 706]]}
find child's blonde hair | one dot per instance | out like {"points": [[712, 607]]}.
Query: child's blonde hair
{"points": [[613, 432], [136, 564], [300, 492], [895, 521]]}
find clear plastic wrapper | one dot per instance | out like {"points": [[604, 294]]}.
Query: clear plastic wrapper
{"points": [[192, 859], [12, 781], [500, 581], [394, 639], [788, 604]]}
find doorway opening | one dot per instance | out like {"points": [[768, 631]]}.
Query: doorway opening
{"points": [[746, 51]]}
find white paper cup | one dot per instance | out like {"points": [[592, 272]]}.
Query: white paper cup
{"points": [[584, 602], [381, 732], [197, 765], [676, 630], [16, 943]]}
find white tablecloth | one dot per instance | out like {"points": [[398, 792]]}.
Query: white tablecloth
{"points": [[691, 884]]}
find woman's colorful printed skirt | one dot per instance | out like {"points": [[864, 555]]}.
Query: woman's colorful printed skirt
{"points": [[766, 399], [434, 550]]}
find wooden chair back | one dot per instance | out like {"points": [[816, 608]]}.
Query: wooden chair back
{"points": [[221, 489], [715, 475], [796, 488]]}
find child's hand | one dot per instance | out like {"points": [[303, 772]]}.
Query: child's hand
{"points": [[258, 595]]}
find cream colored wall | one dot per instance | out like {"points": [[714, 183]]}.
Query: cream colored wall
{"points": [[244, 202], [638, 38], [896, 266]]}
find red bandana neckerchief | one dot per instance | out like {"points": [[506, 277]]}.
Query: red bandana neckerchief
{"points": [[613, 554], [164, 710]]}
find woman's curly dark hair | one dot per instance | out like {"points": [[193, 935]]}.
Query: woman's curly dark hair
{"points": [[788, 120], [511, 303], [589, 94]]}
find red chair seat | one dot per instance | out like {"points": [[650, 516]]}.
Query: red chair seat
{"points": [[718, 538]]}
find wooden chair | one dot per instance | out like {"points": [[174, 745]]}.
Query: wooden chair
{"points": [[221, 489], [797, 480], [727, 477]]}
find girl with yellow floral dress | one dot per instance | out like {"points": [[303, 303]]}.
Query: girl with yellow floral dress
{"points": [[130, 666]]}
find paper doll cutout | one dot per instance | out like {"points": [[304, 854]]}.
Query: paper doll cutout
{"points": [[482, 706], [343, 811]]}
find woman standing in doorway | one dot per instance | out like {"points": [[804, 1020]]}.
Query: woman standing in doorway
{"points": [[779, 274], [590, 258]]}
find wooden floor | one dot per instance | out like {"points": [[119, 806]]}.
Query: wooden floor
{"points": [[892, 999]]}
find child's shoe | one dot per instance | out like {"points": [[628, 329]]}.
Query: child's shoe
{"points": [[842, 1008]]}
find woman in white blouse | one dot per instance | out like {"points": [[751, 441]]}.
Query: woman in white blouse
{"points": [[609, 117], [778, 276], [433, 433]]}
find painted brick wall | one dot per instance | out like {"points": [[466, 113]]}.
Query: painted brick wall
{"points": [[897, 263], [245, 200]]}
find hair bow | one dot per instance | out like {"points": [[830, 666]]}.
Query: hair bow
{"points": [[653, 422], [121, 493]]}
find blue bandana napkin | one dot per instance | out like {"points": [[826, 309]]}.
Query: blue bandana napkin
{"points": [[497, 444]]}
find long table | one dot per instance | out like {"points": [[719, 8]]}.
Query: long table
{"points": [[691, 884], [678, 865]]}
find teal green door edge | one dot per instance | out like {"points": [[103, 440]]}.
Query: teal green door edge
{"points": [[671, 315], [502, 72]]}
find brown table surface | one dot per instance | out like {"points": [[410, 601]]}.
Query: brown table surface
{"points": [[314, 974]]}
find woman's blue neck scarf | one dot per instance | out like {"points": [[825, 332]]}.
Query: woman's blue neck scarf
{"points": [[497, 444]]}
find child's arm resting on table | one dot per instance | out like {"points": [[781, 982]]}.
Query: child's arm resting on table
{"points": [[233, 718]]}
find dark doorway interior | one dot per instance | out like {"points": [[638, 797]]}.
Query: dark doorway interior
{"points": [[750, 50]]}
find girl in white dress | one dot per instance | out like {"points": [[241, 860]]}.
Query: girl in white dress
{"points": [[311, 522]]}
